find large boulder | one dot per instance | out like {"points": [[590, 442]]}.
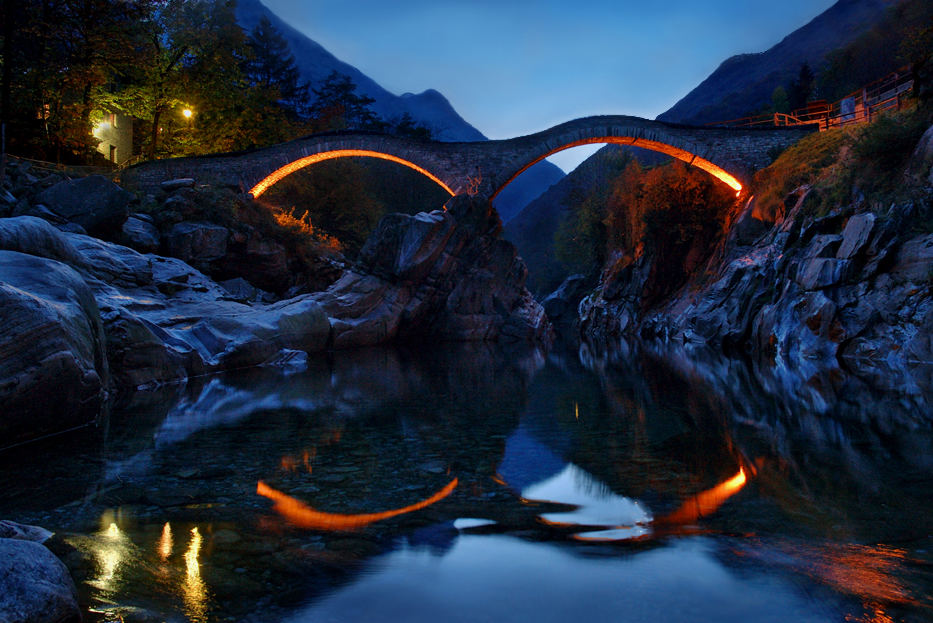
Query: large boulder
{"points": [[444, 275], [53, 367], [141, 235], [197, 243], [561, 304], [34, 585], [94, 202]]}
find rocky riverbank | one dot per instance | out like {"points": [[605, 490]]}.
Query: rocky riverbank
{"points": [[852, 285], [87, 316]]}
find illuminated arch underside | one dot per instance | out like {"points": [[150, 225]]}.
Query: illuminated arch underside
{"points": [[664, 148], [301, 163]]}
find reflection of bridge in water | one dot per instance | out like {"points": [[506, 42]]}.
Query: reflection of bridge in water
{"points": [[484, 168]]}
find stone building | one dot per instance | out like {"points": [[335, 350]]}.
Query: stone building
{"points": [[115, 133]]}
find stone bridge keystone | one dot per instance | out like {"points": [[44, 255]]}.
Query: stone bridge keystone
{"points": [[484, 168]]}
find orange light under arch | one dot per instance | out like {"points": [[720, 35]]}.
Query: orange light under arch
{"points": [[681, 154], [301, 163], [303, 516]]}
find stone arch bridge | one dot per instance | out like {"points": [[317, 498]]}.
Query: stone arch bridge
{"points": [[483, 167]]}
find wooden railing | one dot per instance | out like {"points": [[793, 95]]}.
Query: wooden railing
{"points": [[888, 93]]}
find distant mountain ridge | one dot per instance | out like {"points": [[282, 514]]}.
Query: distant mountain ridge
{"points": [[315, 63], [429, 108], [745, 82]]}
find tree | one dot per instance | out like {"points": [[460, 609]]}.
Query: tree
{"points": [[338, 107], [56, 55], [801, 88], [779, 101], [917, 50], [271, 67], [408, 127]]}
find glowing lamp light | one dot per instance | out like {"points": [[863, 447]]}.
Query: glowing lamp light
{"points": [[187, 113]]}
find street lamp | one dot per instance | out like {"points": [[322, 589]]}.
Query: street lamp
{"points": [[186, 113]]}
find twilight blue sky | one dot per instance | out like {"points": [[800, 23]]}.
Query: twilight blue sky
{"points": [[513, 67]]}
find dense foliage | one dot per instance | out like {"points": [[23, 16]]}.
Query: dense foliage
{"points": [[903, 37], [67, 62], [673, 212]]}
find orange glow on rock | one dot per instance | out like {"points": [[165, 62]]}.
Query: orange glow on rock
{"points": [[663, 148], [301, 163], [303, 516], [705, 503]]}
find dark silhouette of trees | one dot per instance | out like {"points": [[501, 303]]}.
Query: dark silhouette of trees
{"points": [[339, 107], [271, 67], [801, 88]]}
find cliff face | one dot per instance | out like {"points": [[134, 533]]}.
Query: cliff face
{"points": [[852, 285]]}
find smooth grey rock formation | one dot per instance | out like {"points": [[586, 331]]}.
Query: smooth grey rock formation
{"points": [[34, 585], [53, 365], [141, 235], [155, 320], [94, 202]]}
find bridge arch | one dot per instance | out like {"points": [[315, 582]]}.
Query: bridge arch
{"points": [[480, 167], [267, 182], [655, 137]]}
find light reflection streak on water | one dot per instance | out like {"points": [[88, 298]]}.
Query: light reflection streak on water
{"points": [[194, 590], [705, 503], [303, 516], [165, 542], [110, 553]]}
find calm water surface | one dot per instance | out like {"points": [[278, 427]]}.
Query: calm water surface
{"points": [[475, 483]]}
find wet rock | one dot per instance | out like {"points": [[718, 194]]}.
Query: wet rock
{"points": [[141, 235], [34, 585], [94, 202]]}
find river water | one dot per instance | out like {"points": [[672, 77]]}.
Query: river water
{"points": [[477, 483]]}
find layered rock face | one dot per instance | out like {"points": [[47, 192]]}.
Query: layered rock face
{"points": [[850, 284], [444, 274]]}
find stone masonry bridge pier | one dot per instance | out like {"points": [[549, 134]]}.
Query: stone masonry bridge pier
{"points": [[481, 168]]}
